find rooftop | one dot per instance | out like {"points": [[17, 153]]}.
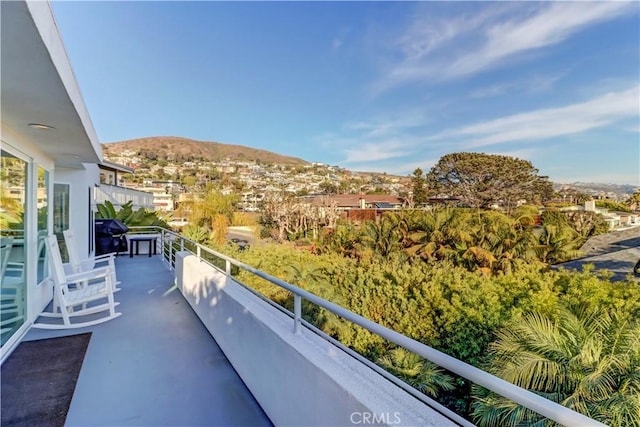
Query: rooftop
{"points": [[617, 252]]}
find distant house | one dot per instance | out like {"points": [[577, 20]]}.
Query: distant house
{"points": [[109, 172], [614, 219], [360, 201], [626, 219], [111, 188], [358, 207]]}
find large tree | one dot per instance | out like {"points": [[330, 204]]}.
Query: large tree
{"points": [[418, 187], [480, 180]]}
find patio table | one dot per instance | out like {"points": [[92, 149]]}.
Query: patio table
{"points": [[134, 240]]}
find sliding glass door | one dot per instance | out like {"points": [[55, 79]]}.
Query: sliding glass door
{"points": [[13, 257]]}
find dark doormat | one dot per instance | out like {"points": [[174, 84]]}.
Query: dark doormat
{"points": [[38, 380]]}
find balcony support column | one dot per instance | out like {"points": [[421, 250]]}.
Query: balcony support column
{"points": [[297, 314]]}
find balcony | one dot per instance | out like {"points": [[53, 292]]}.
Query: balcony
{"points": [[196, 347], [121, 195], [156, 364]]}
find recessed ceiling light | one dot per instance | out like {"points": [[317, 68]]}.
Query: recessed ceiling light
{"points": [[40, 126], [71, 156]]}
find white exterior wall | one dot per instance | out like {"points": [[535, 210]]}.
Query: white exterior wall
{"points": [[81, 184], [297, 379]]}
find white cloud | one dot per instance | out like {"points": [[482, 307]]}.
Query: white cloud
{"points": [[380, 138], [372, 152], [550, 26], [426, 34], [456, 47], [551, 122], [527, 85], [404, 168], [387, 125], [493, 90]]}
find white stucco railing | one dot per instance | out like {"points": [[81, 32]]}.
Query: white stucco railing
{"points": [[173, 242], [121, 195]]}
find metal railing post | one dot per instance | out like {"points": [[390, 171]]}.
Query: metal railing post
{"points": [[162, 243], [297, 314], [198, 254], [227, 268], [171, 254]]}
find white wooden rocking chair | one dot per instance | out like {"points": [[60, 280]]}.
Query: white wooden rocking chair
{"points": [[78, 265], [79, 301]]}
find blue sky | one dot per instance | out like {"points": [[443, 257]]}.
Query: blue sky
{"points": [[370, 86]]}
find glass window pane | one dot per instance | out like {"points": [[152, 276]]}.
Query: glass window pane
{"points": [[61, 215], [13, 180], [43, 217]]}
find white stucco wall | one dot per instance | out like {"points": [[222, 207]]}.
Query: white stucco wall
{"points": [[81, 183], [299, 380]]}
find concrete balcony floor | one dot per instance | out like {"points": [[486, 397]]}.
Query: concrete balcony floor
{"points": [[156, 364]]}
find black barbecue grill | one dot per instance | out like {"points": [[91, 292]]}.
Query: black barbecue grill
{"points": [[110, 236]]}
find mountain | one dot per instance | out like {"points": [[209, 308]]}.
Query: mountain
{"points": [[184, 149], [598, 189]]}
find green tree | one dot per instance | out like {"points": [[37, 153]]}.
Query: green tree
{"points": [[586, 223], [342, 239], [557, 243], [480, 180], [210, 204], [418, 186], [633, 202], [438, 235], [383, 237], [498, 242], [581, 357], [612, 206], [189, 181], [196, 233], [421, 374], [328, 188]]}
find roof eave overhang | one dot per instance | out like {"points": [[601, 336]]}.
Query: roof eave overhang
{"points": [[39, 87]]}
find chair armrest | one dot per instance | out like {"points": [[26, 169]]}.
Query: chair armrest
{"points": [[99, 259], [105, 257], [68, 268], [96, 273]]}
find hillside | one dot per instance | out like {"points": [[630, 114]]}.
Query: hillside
{"points": [[184, 149]]}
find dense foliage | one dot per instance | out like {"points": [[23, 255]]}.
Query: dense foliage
{"points": [[472, 283], [457, 311], [479, 240], [578, 356], [139, 218]]}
